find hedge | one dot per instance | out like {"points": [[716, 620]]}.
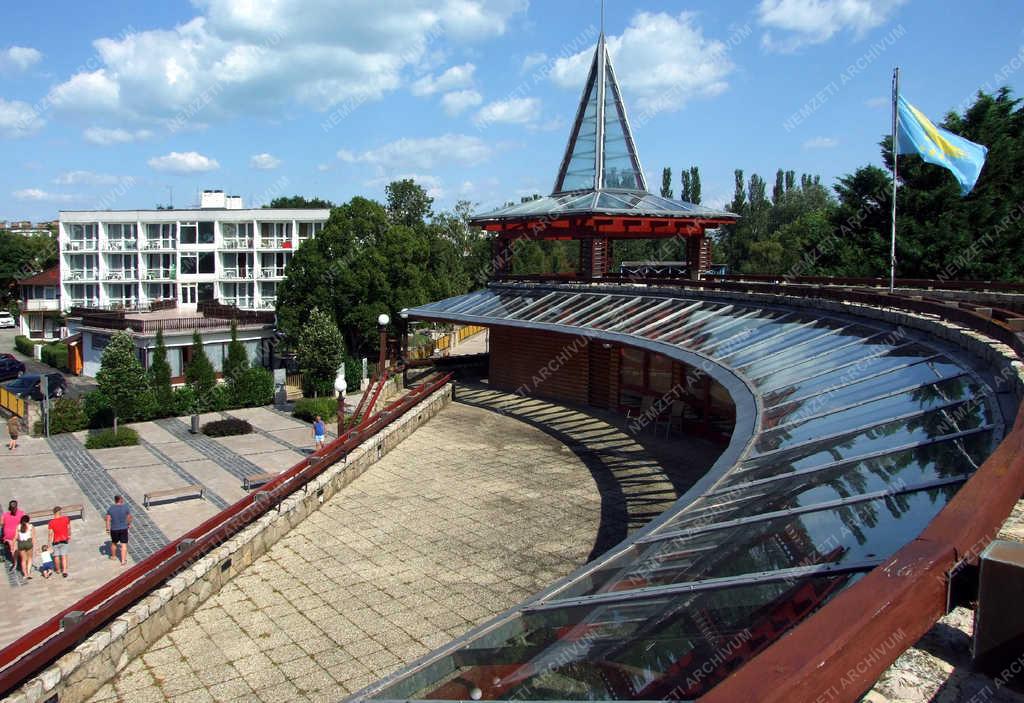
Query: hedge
{"points": [[25, 345], [308, 408], [66, 415], [105, 439], [56, 355], [227, 428]]}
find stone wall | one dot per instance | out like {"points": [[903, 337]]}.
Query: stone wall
{"points": [[81, 672]]}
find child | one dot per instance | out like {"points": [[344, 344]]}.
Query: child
{"points": [[46, 562]]}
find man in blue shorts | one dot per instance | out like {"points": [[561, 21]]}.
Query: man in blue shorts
{"points": [[319, 430]]}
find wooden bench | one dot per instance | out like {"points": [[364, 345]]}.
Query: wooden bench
{"points": [[70, 511], [257, 480], [193, 490]]}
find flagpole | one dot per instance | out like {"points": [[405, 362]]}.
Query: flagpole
{"points": [[895, 174]]}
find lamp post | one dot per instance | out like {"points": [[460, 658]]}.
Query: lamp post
{"points": [[341, 387], [382, 327]]}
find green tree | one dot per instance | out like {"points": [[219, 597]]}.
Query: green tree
{"points": [[666, 182], [299, 202], [199, 373], [408, 203], [320, 351], [160, 374], [779, 189], [121, 378], [695, 185], [236, 360], [684, 192], [739, 198]]}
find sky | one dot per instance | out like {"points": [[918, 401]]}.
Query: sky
{"points": [[125, 105]]}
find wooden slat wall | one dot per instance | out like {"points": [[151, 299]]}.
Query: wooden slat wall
{"points": [[542, 364]]}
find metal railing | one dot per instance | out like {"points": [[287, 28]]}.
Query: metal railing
{"points": [[83, 275], [159, 245], [272, 272], [38, 648], [237, 243], [121, 245], [160, 274], [275, 242], [238, 273], [122, 275], [83, 245]]}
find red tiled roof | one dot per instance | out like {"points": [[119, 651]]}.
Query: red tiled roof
{"points": [[49, 277]]}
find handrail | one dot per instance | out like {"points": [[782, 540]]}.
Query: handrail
{"points": [[36, 649]]}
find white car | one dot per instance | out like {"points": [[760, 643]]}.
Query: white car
{"points": [[6, 320]]}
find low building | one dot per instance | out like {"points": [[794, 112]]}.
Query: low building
{"points": [[91, 329], [39, 299]]}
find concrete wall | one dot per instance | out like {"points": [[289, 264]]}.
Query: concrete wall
{"points": [[80, 673]]}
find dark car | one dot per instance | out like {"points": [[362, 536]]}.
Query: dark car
{"points": [[10, 368], [28, 386]]}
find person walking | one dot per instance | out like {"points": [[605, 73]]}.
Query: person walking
{"points": [[26, 545], [13, 430], [319, 430], [60, 534], [10, 522], [119, 519]]}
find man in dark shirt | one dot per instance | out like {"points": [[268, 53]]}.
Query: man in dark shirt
{"points": [[119, 519]]}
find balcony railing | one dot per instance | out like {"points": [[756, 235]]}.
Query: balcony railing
{"points": [[160, 274], [238, 273], [83, 245], [123, 275], [272, 272], [121, 245], [83, 275], [159, 245], [275, 242], [85, 302], [268, 303], [40, 304], [238, 243], [243, 303]]}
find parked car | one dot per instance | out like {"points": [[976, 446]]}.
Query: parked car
{"points": [[28, 386], [6, 320], [10, 367]]}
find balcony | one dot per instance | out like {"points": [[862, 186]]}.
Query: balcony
{"points": [[161, 274], [237, 243], [83, 245], [85, 302], [268, 303], [122, 275], [159, 245], [275, 243], [82, 275], [121, 245], [272, 272], [40, 305], [243, 303], [241, 274]]}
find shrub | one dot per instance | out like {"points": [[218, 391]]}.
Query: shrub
{"points": [[159, 374], [184, 401], [219, 398], [25, 345], [98, 412], [104, 439], [66, 415], [253, 387], [227, 428], [55, 355], [308, 408], [199, 373]]}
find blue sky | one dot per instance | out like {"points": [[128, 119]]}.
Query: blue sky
{"points": [[110, 105]]}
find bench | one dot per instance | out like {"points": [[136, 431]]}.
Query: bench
{"points": [[70, 511], [193, 490], [256, 480]]}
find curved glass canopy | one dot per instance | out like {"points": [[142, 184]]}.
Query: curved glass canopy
{"points": [[862, 434]]}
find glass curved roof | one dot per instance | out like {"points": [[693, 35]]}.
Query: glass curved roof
{"points": [[862, 433]]}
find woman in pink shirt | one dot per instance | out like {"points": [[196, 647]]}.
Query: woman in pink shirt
{"points": [[10, 521]]}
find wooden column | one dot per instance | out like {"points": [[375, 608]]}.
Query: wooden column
{"points": [[501, 255], [595, 257]]}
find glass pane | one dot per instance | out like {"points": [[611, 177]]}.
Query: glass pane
{"points": [[579, 174], [619, 165], [840, 355], [815, 346]]}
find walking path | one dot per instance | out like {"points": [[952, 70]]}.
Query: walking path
{"points": [[483, 506]]}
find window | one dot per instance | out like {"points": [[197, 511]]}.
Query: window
{"points": [[232, 230], [83, 231], [207, 262], [206, 292], [99, 341], [188, 295], [308, 230], [187, 233], [121, 231], [162, 230], [189, 264], [206, 233]]}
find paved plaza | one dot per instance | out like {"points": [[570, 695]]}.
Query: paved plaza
{"points": [[491, 501], [61, 471]]}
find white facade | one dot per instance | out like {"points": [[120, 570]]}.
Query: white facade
{"points": [[131, 258]]}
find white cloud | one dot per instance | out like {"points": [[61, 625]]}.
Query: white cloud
{"points": [[183, 162], [661, 62], [533, 60], [878, 102], [41, 195], [19, 58], [240, 56], [91, 178], [105, 137], [512, 111], [423, 154], [455, 77], [264, 161], [821, 143], [458, 101], [18, 119], [806, 22]]}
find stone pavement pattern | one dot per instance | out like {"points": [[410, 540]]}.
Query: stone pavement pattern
{"points": [[468, 516]]}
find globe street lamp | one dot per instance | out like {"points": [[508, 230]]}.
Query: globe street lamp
{"points": [[382, 327]]}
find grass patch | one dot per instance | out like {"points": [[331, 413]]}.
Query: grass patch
{"points": [[105, 439]]}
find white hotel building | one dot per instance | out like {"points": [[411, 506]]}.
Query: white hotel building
{"points": [[131, 258]]}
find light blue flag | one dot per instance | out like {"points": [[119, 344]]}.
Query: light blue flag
{"points": [[939, 146]]}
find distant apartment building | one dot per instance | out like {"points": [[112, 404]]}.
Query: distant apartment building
{"points": [[39, 301], [129, 259]]}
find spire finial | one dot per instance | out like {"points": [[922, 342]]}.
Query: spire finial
{"points": [[602, 16]]}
